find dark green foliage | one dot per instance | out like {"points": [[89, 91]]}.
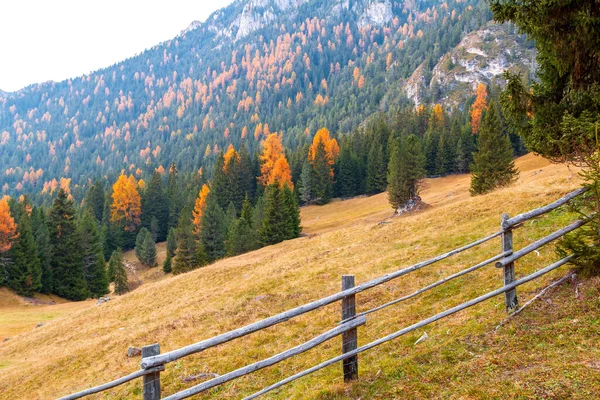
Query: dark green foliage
{"points": [[155, 210], [94, 268], [281, 220], [94, 200], [305, 184], [42, 242], [230, 216], [258, 213], [376, 170], [464, 151], [432, 142], [213, 229], [117, 269], [493, 164], [171, 242], [405, 171], [139, 243], [66, 263], [556, 118], [148, 251], [321, 184], [167, 265], [24, 273], [190, 253], [174, 198], [242, 237]]}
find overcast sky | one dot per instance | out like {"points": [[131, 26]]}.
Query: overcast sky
{"points": [[43, 40]]}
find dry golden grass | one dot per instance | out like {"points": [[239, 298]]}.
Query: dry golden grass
{"points": [[548, 351]]}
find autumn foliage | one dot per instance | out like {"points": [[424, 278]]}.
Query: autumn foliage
{"points": [[199, 207], [332, 149], [126, 206], [274, 166], [478, 106], [229, 154], [8, 228]]}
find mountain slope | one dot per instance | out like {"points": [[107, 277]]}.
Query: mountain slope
{"points": [[549, 350], [254, 67]]}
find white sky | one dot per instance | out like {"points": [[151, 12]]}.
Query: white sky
{"points": [[43, 40]]}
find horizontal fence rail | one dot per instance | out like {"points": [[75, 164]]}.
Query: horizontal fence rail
{"points": [[418, 325], [511, 222], [269, 361], [284, 316], [153, 362], [112, 384]]}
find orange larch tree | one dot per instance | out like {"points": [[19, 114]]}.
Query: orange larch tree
{"points": [[8, 228], [332, 149], [229, 154], [199, 207], [478, 106], [126, 206], [274, 165]]}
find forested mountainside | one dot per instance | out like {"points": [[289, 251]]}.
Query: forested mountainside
{"points": [[255, 67]]}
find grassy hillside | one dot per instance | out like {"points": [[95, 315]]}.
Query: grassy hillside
{"points": [[548, 351]]}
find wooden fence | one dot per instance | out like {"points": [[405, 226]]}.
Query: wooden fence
{"points": [[153, 362]]}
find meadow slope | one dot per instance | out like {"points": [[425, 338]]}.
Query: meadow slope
{"points": [[548, 351]]}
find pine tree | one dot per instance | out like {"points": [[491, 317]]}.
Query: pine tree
{"points": [[42, 242], [94, 268], [321, 179], [247, 174], [155, 211], [493, 164], [275, 227], [139, 243], [348, 174], [67, 264], [171, 242], [119, 273], [230, 216], [167, 265], [292, 214], [405, 171], [376, 172], [432, 141], [305, 187], [213, 230], [174, 199], [24, 273], [190, 253], [148, 251], [464, 151], [94, 200]]}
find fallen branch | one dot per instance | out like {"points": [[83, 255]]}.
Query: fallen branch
{"points": [[537, 296]]}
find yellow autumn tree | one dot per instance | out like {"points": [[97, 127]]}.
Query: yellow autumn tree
{"points": [[8, 228], [199, 207], [332, 149], [274, 165], [478, 106], [229, 154], [126, 207]]}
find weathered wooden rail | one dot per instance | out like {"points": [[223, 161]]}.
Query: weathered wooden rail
{"points": [[153, 363]]}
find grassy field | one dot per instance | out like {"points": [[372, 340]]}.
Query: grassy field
{"points": [[548, 351]]}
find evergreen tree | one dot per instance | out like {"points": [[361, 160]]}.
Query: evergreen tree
{"points": [[376, 170], [292, 213], [94, 200], [305, 187], [155, 211], [493, 164], [464, 150], [321, 179], [117, 267], [247, 174], [242, 237], [432, 141], [44, 248], [189, 254], [213, 229], [94, 268], [167, 265], [174, 197], [148, 251], [171, 242], [24, 273], [405, 171], [67, 264], [276, 223], [230, 216], [139, 243], [258, 213], [219, 186], [348, 176]]}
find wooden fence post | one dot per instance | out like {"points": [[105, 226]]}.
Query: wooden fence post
{"points": [[151, 381], [510, 297], [349, 338]]}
